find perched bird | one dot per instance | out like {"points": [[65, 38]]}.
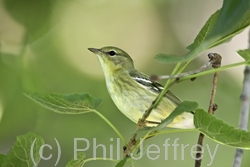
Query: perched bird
{"points": [[133, 92]]}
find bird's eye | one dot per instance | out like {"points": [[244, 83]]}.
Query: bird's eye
{"points": [[112, 53]]}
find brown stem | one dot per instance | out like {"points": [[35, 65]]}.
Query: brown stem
{"points": [[211, 104], [198, 154], [216, 62]]}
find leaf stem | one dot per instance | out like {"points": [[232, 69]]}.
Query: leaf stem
{"points": [[140, 141], [184, 65], [111, 125], [160, 96], [101, 158], [162, 132]]}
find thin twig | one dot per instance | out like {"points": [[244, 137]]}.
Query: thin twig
{"points": [[213, 60], [212, 107], [211, 104], [211, 71], [244, 113]]}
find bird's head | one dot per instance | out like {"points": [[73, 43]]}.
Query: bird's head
{"points": [[113, 59]]}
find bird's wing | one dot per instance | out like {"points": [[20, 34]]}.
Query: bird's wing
{"points": [[156, 87]]}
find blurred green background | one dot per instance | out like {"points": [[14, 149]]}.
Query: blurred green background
{"points": [[44, 49]]}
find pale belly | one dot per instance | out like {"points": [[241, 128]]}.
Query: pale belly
{"points": [[133, 104]]}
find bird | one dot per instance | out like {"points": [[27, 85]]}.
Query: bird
{"points": [[133, 92]]}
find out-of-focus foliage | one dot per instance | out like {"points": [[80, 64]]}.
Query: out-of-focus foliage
{"points": [[44, 49]]}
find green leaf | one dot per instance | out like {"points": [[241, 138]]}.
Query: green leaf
{"points": [[204, 31], [79, 162], [66, 104], [25, 151], [84, 99], [168, 58], [185, 106], [233, 18], [232, 14], [244, 23], [221, 27], [71, 104], [219, 131], [245, 54]]}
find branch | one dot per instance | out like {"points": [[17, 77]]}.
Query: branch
{"points": [[244, 113]]}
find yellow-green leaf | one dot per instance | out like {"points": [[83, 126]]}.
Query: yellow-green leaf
{"points": [[219, 131]]}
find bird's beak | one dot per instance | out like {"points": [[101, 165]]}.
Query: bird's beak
{"points": [[94, 50]]}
